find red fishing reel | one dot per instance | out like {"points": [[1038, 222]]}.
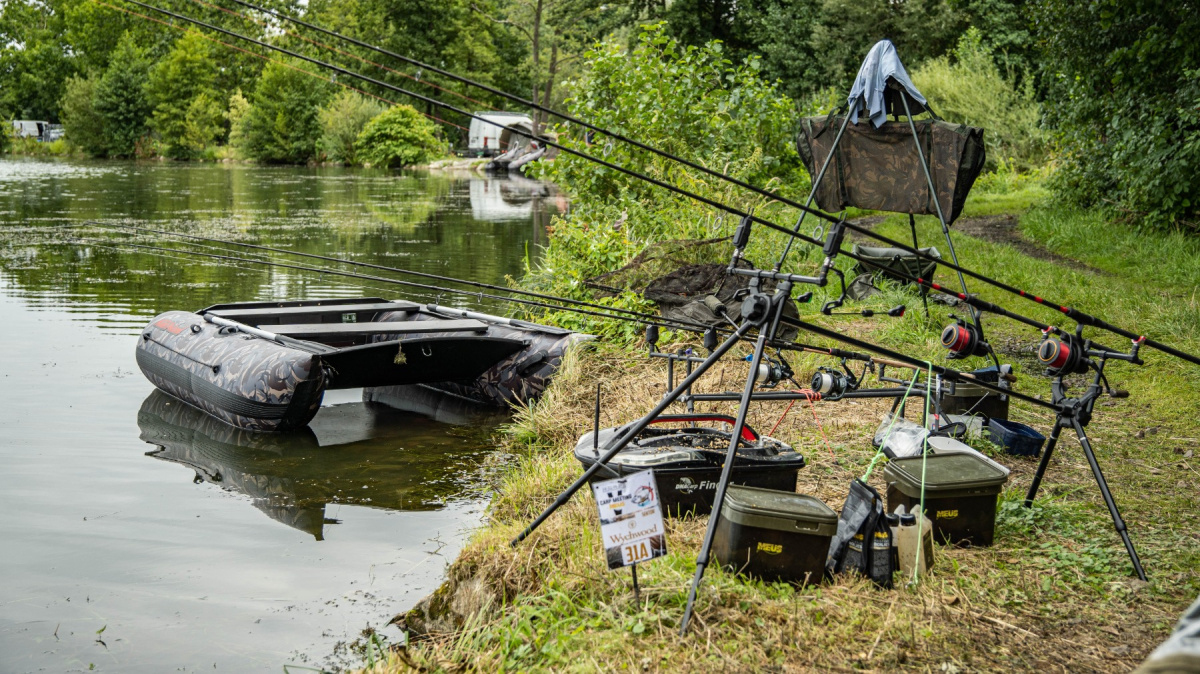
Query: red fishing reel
{"points": [[1062, 356], [963, 340]]}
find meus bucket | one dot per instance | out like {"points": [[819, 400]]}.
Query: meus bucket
{"points": [[960, 494], [774, 535]]}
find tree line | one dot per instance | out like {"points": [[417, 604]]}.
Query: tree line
{"points": [[1114, 85]]}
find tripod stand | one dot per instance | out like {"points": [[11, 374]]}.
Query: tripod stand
{"points": [[1075, 413]]}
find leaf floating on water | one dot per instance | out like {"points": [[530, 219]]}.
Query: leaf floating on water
{"points": [[101, 630]]}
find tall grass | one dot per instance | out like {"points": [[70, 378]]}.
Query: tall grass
{"points": [[967, 86]]}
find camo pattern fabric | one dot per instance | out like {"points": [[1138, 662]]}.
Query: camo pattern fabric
{"points": [[880, 169], [245, 381], [515, 380]]}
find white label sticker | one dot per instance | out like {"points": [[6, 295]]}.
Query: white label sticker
{"points": [[631, 521]]}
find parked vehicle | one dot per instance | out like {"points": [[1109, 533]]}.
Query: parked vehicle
{"points": [[496, 135]]}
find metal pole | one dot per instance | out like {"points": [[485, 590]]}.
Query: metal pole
{"points": [[1118, 523], [813, 192], [726, 471], [1044, 463]]}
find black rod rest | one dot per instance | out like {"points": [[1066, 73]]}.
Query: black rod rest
{"points": [[1076, 413]]}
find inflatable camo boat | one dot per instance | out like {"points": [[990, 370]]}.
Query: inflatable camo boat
{"points": [[265, 366]]}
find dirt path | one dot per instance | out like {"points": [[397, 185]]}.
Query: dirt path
{"points": [[1006, 229]]}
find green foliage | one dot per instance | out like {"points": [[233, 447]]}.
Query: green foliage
{"points": [[186, 114], [120, 100], [1125, 99], [399, 137], [82, 124], [970, 89], [689, 101], [342, 120], [282, 124], [6, 136], [810, 44], [236, 115], [34, 66]]}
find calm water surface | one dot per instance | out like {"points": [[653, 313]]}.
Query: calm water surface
{"points": [[141, 536]]}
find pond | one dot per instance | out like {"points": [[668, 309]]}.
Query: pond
{"points": [[142, 536]]}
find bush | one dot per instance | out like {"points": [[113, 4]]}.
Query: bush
{"points": [[689, 101], [342, 121], [1125, 100], [282, 124], [967, 87], [399, 137]]}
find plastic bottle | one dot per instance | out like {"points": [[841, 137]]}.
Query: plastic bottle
{"points": [[909, 545]]}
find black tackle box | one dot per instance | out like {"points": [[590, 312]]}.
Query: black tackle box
{"points": [[960, 493], [774, 535]]}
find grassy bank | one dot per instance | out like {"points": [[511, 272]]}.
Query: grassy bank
{"points": [[1054, 593]]}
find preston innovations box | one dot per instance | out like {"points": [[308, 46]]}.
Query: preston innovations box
{"points": [[687, 461], [774, 535], [960, 494]]}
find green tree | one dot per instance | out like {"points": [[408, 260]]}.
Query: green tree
{"points": [[35, 60], [1124, 82], [397, 138], [203, 124], [120, 99], [83, 125], [180, 88], [236, 116], [342, 120], [283, 123]]}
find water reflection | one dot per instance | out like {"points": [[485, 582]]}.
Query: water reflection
{"points": [[367, 454], [462, 225], [95, 535]]}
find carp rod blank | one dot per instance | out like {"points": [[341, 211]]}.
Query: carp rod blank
{"points": [[1070, 312], [645, 319], [1076, 315]]}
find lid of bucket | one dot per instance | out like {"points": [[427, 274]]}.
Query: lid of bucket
{"points": [[951, 471], [774, 503]]}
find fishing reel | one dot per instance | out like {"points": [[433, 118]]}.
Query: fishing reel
{"points": [[771, 371], [832, 384], [963, 340], [1063, 356]]}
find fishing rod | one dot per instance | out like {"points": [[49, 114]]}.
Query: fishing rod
{"points": [[383, 279], [746, 216], [536, 106], [446, 106], [1070, 312], [326, 45], [676, 324], [643, 317], [275, 61], [1074, 314]]}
